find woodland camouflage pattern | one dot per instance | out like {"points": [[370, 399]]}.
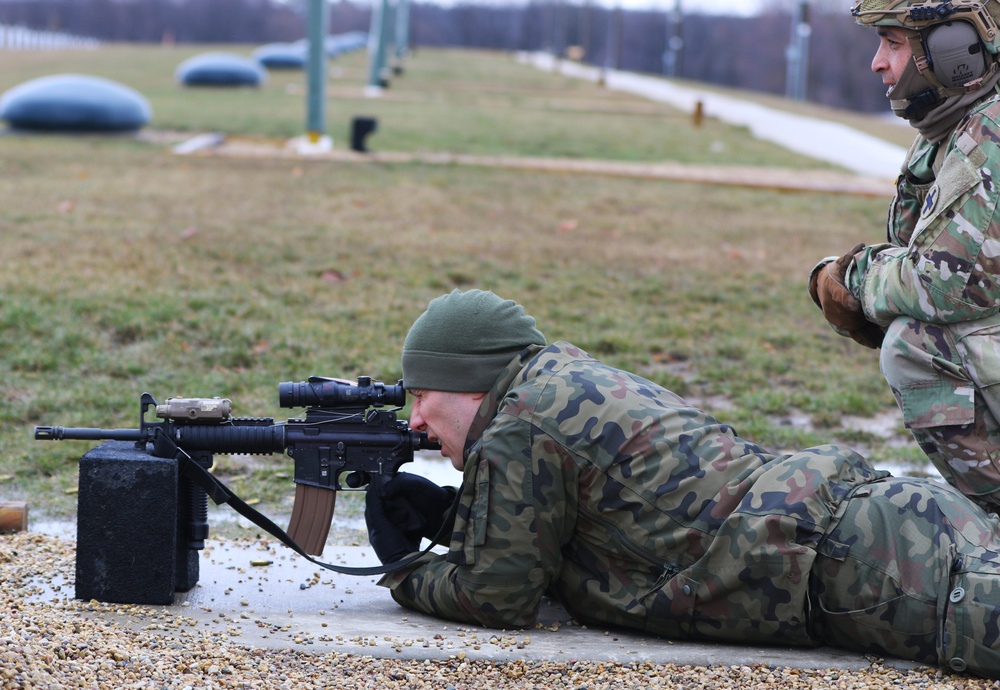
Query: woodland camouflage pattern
{"points": [[635, 509], [934, 286]]}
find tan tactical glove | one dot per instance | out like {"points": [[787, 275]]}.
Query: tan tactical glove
{"points": [[842, 309]]}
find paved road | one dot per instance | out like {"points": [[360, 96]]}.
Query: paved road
{"points": [[820, 139]]}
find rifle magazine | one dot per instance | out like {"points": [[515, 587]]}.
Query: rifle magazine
{"points": [[312, 514]]}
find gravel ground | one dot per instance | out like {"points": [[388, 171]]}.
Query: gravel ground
{"points": [[60, 642]]}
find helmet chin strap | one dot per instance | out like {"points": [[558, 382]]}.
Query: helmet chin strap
{"points": [[918, 90], [929, 110], [914, 95]]}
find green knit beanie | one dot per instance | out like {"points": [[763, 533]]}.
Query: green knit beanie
{"points": [[464, 340]]}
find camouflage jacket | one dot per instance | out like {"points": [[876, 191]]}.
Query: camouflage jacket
{"points": [[632, 507], [942, 259]]}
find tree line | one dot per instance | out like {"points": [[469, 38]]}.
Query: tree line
{"points": [[741, 52]]}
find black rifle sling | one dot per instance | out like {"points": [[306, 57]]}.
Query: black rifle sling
{"points": [[220, 494]]}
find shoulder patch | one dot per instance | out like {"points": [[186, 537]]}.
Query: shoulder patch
{"points": [[930, 202]]}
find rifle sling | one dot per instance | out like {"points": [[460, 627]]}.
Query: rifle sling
{"points": [[220, 494]]}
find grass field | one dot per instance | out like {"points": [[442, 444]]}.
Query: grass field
{"points": [[129, 269]]}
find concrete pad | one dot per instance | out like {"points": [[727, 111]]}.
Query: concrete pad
{"points": [[256, 593], [292, 603]]}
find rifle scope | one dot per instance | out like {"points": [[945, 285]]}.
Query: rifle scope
{"points": [[331, 393]]}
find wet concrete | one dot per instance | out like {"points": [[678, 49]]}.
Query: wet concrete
{"points": [[289, 602], [256, 593]]}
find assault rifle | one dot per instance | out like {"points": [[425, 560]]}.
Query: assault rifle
{"points": [[345, 438]]}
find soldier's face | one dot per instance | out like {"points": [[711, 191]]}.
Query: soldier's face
{"points": [[446, 418], [893, 55]]}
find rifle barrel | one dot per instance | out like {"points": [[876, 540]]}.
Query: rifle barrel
{"points": [[59, 433]]}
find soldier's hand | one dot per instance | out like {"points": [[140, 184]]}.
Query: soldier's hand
{"points": [[424, 504], [387, 531], [842, 309]]}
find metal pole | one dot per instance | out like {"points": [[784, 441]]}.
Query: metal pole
{"points": [[675, 41], [612, 49], [376, 49], [389, 41], [403, 29], [611, 39], [619, 21], [584, 40], [558, 30], [318, 22], [797, 77], [805, 33]]}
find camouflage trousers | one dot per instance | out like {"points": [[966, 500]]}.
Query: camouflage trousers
{"points": [[911, 569], [945, 379]]}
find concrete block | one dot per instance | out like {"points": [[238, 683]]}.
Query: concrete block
{"points": [[132, 545]]}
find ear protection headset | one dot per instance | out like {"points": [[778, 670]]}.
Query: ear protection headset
{"points": [[955, 54]]}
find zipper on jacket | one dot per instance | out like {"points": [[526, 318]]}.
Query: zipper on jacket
{"points": [[669, 569]]}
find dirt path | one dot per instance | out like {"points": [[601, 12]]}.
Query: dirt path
{"points": [[783, 179]]}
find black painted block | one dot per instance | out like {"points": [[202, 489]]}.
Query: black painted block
{"points": [[129, 549]]}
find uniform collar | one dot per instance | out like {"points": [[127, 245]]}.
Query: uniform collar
{"points": [[491, 403]]}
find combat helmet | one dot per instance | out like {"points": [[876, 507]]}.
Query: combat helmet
{"points": [[957, 40]]}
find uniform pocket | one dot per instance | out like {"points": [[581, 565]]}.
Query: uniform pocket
{"points": [[970, 637], [978, 343], [880, 593], [931, 388], [940, 402], [480, 504]]}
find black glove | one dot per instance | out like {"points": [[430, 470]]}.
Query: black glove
{"points": [[402, 509], [389, 539], [418, 504]]}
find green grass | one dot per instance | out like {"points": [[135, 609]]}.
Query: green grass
{"points": [[128, 269], [467, 102]]}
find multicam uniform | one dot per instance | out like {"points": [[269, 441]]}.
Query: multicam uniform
{"points": [[637, 510], [934, 286]]}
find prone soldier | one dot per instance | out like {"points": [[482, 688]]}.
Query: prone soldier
{"points": [[636, 509]]}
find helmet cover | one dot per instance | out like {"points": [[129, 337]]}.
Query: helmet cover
{"points": [[917, 15]]}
